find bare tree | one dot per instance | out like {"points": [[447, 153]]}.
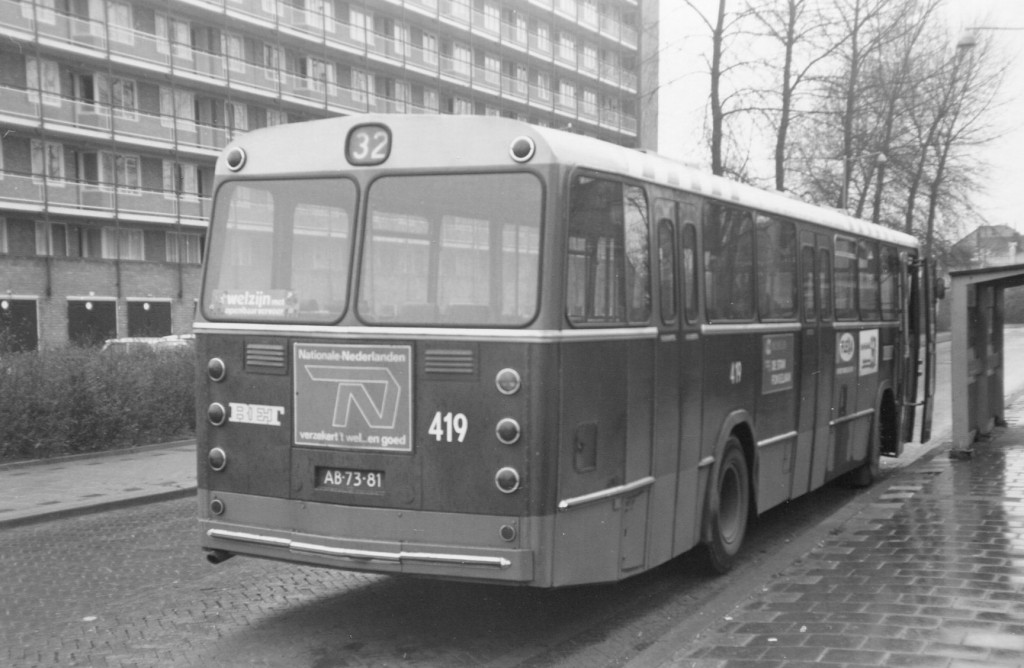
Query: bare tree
{"points": [[722, 27], [800, 32]]}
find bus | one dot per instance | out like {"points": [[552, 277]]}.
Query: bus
{"points": [[471, 348]]}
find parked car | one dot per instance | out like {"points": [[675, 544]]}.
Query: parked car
{"points": [[135, 343]]}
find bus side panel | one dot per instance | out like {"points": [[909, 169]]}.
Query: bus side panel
{"points": [[689, 490], [776, 417], [605, 406], [665, 463], [731, 376]]}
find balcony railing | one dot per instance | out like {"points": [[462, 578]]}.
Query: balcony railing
{"points": [[150, 51], [39, 192]]}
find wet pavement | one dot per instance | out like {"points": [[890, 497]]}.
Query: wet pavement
{"points": [[925, 569], [929, 573], [37, 491]]}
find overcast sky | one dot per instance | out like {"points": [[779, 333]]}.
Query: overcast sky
{"points": [[684, 95]]}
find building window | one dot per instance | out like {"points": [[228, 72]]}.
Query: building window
{"points": [[428, 44], [91, 321], [360, 85], [461, 106], [123, 244], [177, 106], [358, 30], [180, 179], [462, 57], [492, 18], [149, 318], [51, 239], [608, 262], [120, 28], [48, 160], [177, 34], [44, 75], [184, 247]]}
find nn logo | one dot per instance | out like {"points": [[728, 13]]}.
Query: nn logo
{"points": [[372, 391]]}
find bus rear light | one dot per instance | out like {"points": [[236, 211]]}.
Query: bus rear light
{"points": [[217, 506], [507, 480], [508, 431], [217, 414], [218, 459], [508, 381], [507, 532], [216, 369], [522, 149]]}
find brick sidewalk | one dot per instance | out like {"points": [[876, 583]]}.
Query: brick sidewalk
{"points": [[42, 490], [930, 573]]}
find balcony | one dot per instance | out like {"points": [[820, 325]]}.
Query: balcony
{"points": [[487, 80], [95, 121], [455, 68], [515, 89], [455, 12], [99, 200], [17, 16]]}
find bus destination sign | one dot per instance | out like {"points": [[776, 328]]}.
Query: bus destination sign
{"points": [[352, 396]]}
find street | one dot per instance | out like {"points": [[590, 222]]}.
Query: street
{"points": [[130, 587]]}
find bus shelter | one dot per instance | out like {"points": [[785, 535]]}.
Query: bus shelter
{"points": [[977, 371]]}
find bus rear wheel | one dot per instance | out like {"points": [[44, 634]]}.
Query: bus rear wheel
{"points": [[727, 523]]}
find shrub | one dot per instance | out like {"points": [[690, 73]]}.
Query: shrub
{"points": [[78, 400]]}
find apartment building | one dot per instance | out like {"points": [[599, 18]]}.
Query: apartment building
{"points": [[112, 114]]}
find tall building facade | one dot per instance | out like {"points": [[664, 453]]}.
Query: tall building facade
{"points": [[112, 113]]}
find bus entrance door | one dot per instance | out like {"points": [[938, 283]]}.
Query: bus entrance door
{"points": [[810, 352], [823, 366]]}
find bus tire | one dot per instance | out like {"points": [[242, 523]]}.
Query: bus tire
{"points": [[728, 517]]}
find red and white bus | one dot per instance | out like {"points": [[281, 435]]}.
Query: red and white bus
{"points": [[471, 348]]}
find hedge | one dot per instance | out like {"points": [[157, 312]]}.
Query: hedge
{"points": [[77, 400]]}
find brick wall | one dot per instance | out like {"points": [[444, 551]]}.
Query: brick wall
{"points": [[28, 278]]}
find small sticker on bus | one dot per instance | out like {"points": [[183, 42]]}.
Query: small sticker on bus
{"points": [[256, 414]]}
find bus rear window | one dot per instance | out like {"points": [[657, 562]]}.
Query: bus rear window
{"points": [[280, 251], [452, 250]]}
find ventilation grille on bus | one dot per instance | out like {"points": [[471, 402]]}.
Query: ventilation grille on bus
{"points": [[266, 358], [459, 362]]}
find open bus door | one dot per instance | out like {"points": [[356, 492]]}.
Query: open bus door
{"points": [[928, 303], [918, 325]]}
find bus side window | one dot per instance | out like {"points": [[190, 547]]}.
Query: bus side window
{"points": [[846, 279], [890, 269], [867, 276], [825, 283], [807, 283], [608, 280], [638, 255], [667, 269], [729, 263], [776, 268], [689, 272]]}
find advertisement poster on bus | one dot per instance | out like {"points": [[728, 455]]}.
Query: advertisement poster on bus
{"points": [[868, 352], [777, 362], [353, 396]]}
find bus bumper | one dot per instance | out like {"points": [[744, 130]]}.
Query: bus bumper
{"points": [[377, 540]]}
